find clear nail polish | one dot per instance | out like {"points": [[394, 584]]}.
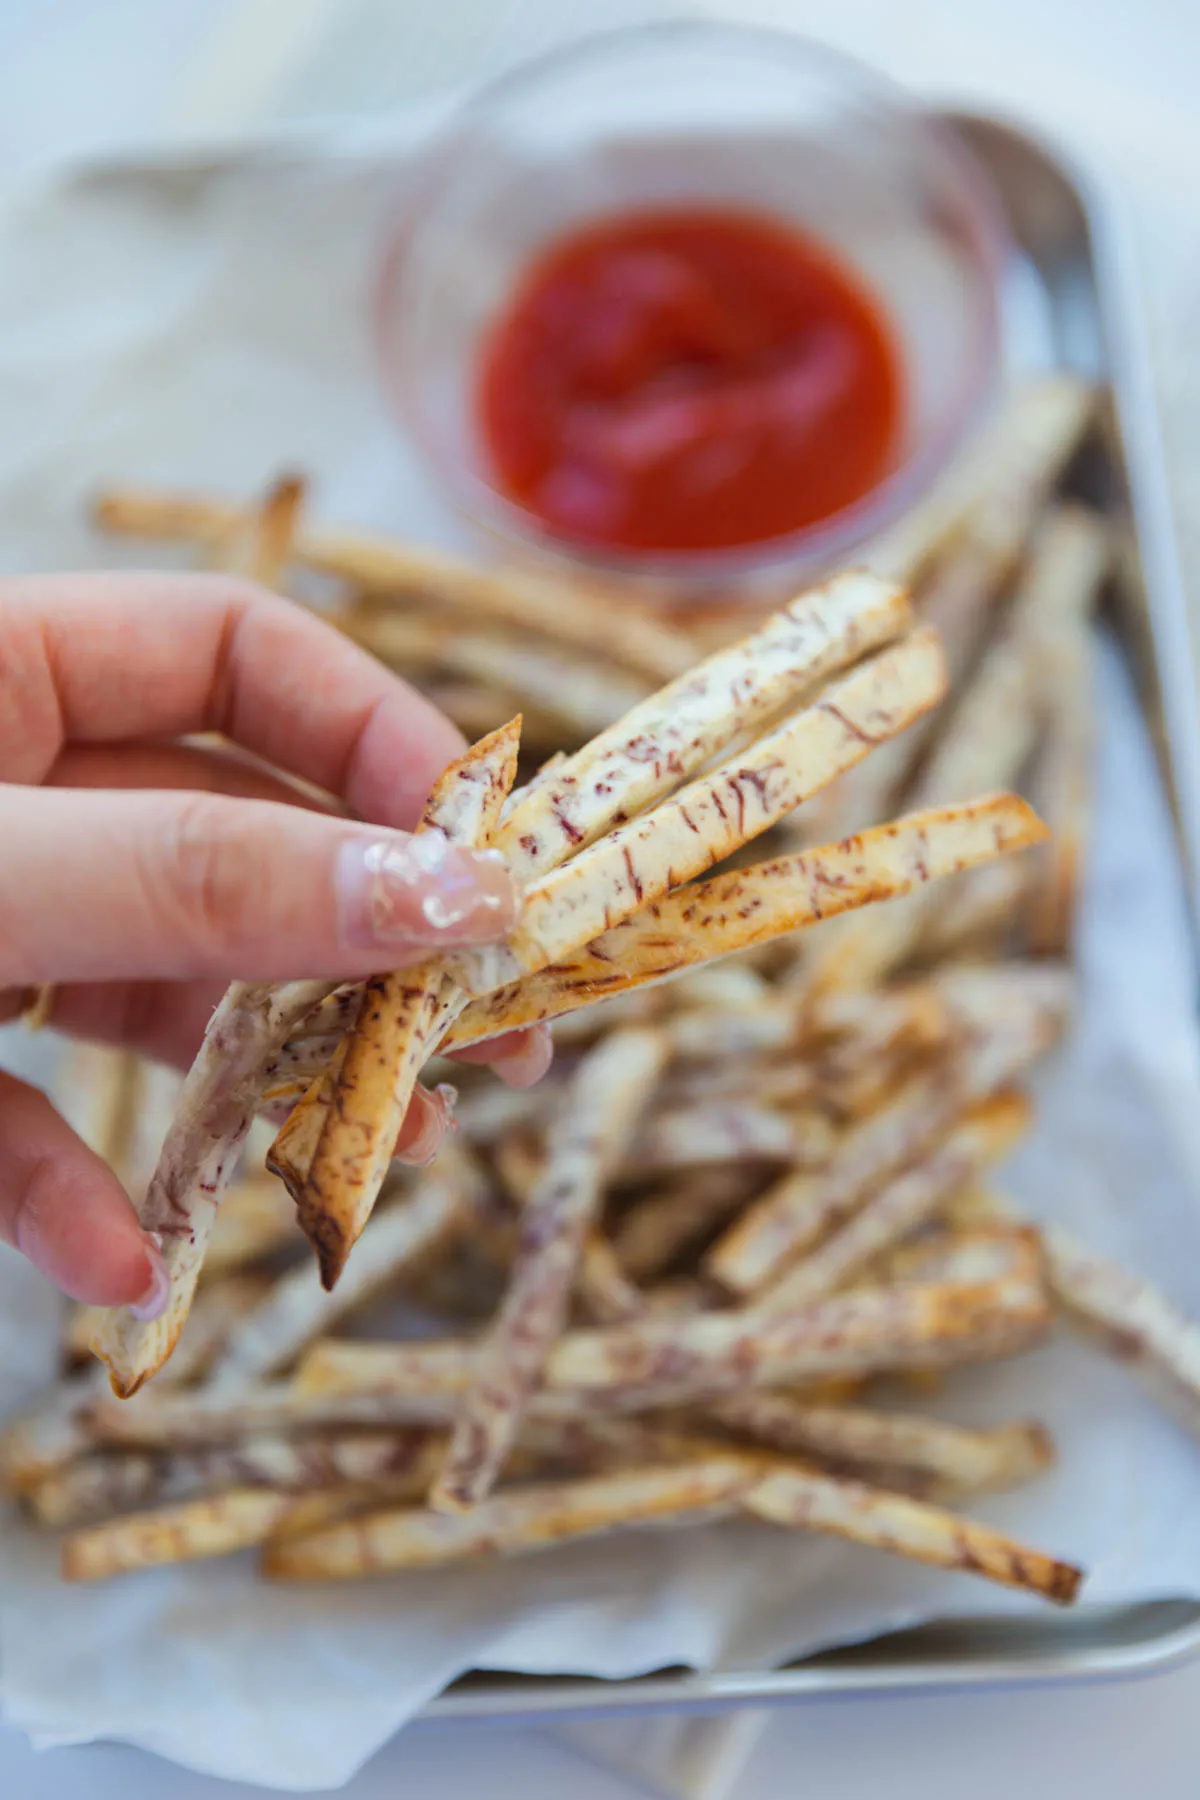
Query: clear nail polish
{"points": [[152, 1303], [423, 891]]}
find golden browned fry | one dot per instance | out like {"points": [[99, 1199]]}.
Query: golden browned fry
{"points": [[563, 614], [611, 1087], [607, 1293], [295, 1144], [115, 1481], [217, 1105], [273, 530], [805, 1500], [981, 909], [256, 1218], [634, 864], [983, 1135], [852, 1024], [803, 1208], [576, 696], [993, 728], [425, 1393], [731, 913], [528, 1519], [677, 731], [317, 1036], [55, 1428], [298, 1308], [1064, 690], [50, 1432], [1131, 1318], [663, 1361], [659, 1228], [491, 1114], [226, 1296], [719, 1131], [950, 1459], [99, 1089], [1035, 439], [680, 1294], [478, 707], [723, 1034], [995, 488], [216, 1525], [401, 1020]]}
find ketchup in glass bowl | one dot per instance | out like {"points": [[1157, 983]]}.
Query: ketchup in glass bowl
{"points": [[697, 304]]}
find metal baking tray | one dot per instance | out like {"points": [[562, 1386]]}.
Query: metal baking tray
{"points": [[1070, 302]]}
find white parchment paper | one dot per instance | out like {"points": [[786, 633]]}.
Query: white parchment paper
{"points": [[206, 325]]}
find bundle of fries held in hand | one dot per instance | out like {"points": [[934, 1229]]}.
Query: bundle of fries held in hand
{"points": [[701, 1269]]}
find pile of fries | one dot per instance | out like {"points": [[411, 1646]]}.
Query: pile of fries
{"points": [[702, 1269]]}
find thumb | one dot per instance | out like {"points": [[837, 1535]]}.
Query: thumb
{"points": [[102, 885]]}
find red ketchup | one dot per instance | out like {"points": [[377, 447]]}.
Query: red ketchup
{"points": [[688, 380]]}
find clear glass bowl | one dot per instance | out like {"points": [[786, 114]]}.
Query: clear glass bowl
{"points": [[692, 114]]}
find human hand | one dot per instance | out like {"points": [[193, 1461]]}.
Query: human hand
{"points": [[140, 874]]}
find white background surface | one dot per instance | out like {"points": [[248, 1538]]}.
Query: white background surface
{"points": [[75, 75]]}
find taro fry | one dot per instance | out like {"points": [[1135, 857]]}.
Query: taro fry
{"points": [[656, 1229], [398, 1025], [299, 1308], [651, 1362], [309, 1488], [669, 736], [993, 492], [55, 1428], [602, 1286], [256, 1219], [1061, 782], [734, 912], [982, 910], [993, 728], [718, 1131], [536, 1518], [525, 1520], [814, 1502], [1034, 440], [611, 1088], [607, 1294], [638, 862], [793, 1088], [386, 568], [576, 801], [582, 697], [728, 914], [668, 1361], [219, 1097], [214, 1525], [983, 1134], [1119, 1309], [1131, 1318], [944, 1461], [803, 1208], [105, 1482]]}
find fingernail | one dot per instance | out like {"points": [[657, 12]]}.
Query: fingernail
{"points": [[153, 1302], [522, 1068], [437, 1117], [423, 891]]}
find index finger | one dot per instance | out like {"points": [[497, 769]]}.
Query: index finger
{"points": [[103, 658]]}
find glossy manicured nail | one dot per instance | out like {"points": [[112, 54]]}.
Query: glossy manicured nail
{"points": [[153, 1302], [522, 1067], [436, 1117], [423, 891]]}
